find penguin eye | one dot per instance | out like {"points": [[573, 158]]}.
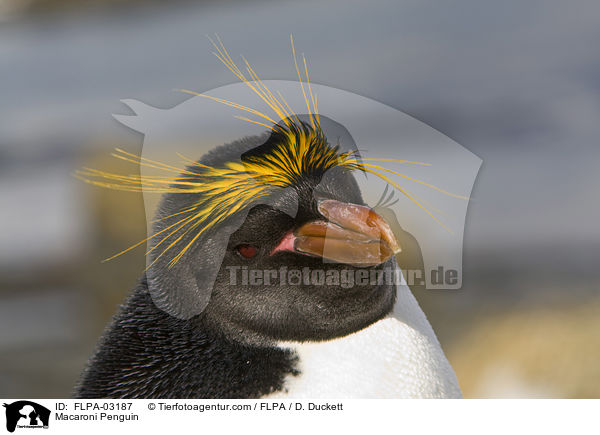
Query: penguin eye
{"points": [[247, 251]]}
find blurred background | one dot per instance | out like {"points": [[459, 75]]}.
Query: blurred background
{"points": [[516, 83]]}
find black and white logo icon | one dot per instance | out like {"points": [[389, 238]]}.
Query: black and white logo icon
{"points": [[26, 414]]}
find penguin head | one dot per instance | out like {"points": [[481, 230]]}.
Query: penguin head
{"points": [[281, 265]]}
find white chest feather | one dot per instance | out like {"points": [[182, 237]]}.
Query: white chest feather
{"points": [[396, 357]]}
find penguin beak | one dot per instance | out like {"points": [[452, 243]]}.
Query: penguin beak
{"points": [[348, 234]]}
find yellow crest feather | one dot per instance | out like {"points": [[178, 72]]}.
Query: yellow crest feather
{"points": [[235, 185]]}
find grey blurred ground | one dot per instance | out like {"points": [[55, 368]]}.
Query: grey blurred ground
{"points": [[516, 83]]}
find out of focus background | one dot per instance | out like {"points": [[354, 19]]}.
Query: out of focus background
{"points": [[516, 83]]}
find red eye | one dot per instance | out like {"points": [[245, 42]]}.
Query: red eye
{"points": [[247, 251]]}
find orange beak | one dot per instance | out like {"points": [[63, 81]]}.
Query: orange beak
{"points": [[349, 234]]}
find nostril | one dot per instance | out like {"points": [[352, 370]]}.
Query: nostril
{"points": [[247, 251]]}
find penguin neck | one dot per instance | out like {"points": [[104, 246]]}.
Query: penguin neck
{"points": [[147, 353]]}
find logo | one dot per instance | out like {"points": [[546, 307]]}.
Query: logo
{"points": [[26, 414]]}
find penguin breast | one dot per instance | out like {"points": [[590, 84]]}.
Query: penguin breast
{"points": [[388, 359]]}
